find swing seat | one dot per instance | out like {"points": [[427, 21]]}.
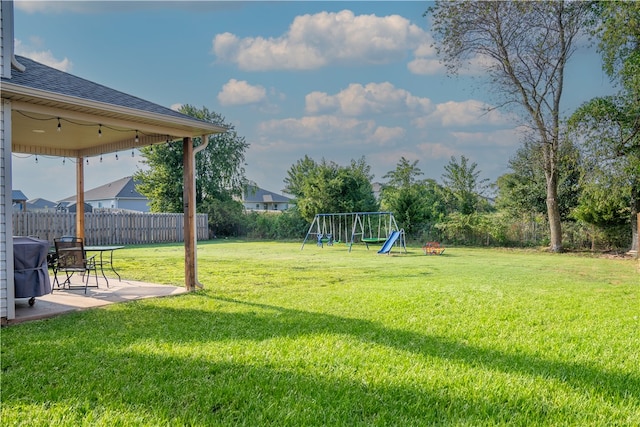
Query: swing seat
{"points": [[374, 239]]}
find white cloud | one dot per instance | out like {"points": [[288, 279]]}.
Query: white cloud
{"points": [[509, 138], [42, 56], [390, 136], [239, 92], [436, 151], [373, 98], [324, 38], [426, 62], [466, 113], [426, 66], [338, 130]]}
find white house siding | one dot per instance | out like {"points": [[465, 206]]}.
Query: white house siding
{"points": [[2, 39], [7, 307], [121, 203], [266, 207]]}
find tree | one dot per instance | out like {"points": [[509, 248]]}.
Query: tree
{"points": [[610, 126], [219, 169], [404, 175], [522, 192], [297, 175], [525, 47], [327, 187], [463, 188], [611, 143], [413, 201]]}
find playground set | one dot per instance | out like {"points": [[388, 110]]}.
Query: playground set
{"points": [[354, 227]]}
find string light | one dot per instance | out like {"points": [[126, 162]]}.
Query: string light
{"points": [[100, 125], [59, 120]]}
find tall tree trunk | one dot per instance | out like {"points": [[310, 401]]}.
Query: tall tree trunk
{"points": [[553, 212], [635, 210]]}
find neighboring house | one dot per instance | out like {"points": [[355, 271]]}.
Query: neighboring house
{"points": [[259, 199], [120, 194], [41, 205], [18, 200], [71, 207]]}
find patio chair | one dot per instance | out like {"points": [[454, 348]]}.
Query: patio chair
{"points": [[52, 260], [71, 258]]}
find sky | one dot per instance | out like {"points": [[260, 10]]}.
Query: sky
{"points": [[332, 80]]}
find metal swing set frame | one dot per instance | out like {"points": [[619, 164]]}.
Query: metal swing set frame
{"points": [[365, 227]]}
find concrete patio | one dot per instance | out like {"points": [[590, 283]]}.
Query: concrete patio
{"points": [[62, 301]]}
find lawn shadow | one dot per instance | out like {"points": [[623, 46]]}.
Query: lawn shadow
{"points": [[222, 390], [581, 376]]}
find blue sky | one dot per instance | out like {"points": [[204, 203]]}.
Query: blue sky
{"points": [[334, 80]]}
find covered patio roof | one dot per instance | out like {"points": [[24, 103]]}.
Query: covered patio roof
{"points": [[58, 114]]}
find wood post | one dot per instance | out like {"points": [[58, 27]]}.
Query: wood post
{"points": [[80, 198], [188, 201]]}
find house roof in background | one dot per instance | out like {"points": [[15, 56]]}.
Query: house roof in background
{"points": [[18, 196], [260, 195], [40, 203], [124, 188]]}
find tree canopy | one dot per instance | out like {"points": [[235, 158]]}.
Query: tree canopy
{"points": [[524, 47], [327, 187], [609, 127], [414, 201], [219, 169]]}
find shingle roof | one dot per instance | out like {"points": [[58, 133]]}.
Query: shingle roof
{"points": [[123, 188], [18, 196], [42, 77], [40, 203], [260, 195]]}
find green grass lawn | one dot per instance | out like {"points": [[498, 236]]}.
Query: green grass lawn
{"points": [[321, 336]]}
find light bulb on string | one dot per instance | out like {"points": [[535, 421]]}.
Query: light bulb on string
{"points": [[87, 160], [36, 158], [99, 131], [116, 155], [100, 158], [132, 155], [59, 125], [64, 159], [137, 139]]}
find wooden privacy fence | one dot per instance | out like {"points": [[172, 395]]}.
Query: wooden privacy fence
{"points": [[109, 228]]}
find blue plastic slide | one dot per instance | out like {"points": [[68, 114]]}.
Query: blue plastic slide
{"points": [[389, 243]]}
